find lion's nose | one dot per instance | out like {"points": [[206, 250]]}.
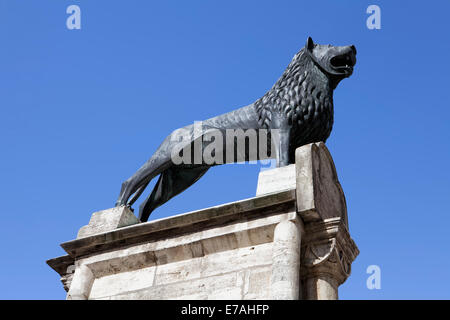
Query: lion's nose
{"points": [[353, 49]]}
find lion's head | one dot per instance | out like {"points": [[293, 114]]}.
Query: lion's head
{"points": [[336, 62]]}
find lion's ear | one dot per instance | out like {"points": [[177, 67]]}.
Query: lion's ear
{"points": [[309, 44]]}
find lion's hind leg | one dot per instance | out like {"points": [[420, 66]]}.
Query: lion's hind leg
{"points": [[157, 164], [170, 183]]}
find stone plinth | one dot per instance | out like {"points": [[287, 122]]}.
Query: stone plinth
{"points": [[107, 220], [287, 244], [276, 180]]}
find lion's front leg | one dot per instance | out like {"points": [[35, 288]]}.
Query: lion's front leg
{"points": [[281, 139], [283, 149]]}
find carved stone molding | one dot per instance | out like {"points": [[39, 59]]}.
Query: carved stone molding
{"points": [[289, 242], [318, 190], [327, 254]]}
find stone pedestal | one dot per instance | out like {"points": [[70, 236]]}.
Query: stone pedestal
{"points": [[289, 242], [276, 180], [107, 220]]}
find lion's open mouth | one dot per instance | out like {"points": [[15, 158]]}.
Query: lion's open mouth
{"points": [[343, 63]]}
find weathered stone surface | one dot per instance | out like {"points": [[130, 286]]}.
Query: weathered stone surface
{"points": [[167, 228], [66, 279], [64, 265], [174, 263], [321, 287], [327, 255], [285, 278], [81, 285], [107, 220], [257, 283], [319, 193]]}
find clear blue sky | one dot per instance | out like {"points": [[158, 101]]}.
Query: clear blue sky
{"points": [[81, 110]]}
